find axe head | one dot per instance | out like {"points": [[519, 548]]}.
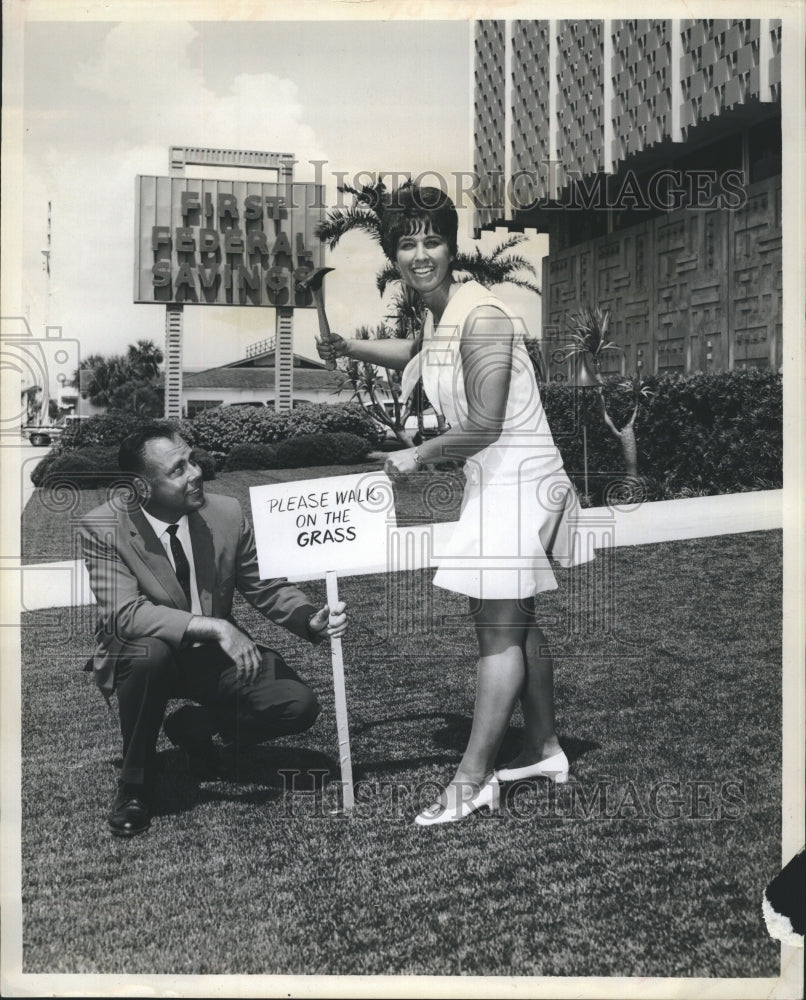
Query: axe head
{"points": [[312, 282]]}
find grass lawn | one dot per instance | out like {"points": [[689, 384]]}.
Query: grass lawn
{"points": [[651, 862]]}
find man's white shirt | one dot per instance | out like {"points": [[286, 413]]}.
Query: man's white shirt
{"points": [[183, 534]]}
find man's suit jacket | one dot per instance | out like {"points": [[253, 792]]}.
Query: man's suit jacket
{"points": [[139, 595]]}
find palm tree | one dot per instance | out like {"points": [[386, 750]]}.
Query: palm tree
{"points": [[144, 359], [407, 310], [588, 343], [127, 381]]}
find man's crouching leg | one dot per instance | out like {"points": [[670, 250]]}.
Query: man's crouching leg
{"points": [[145, 674], [277, 703]]}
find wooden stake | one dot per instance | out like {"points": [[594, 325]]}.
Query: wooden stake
{"points": [[332, 583]]}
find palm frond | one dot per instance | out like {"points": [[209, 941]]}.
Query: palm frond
{"points": [[372, 195], [512, 241], [387, 275], [524, 283], [517, 263], [341, 221]]}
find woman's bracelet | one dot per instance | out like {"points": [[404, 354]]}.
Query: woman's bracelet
{"points": [[418, 461]]}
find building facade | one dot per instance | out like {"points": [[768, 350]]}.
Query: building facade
{"points": [[254, 380], [649, 151]]}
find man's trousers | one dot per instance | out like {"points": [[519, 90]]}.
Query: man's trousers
{"points": [[149, 673]]}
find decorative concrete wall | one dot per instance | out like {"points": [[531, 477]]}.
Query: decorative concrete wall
{"points": [[688, 291], [589, 94]]}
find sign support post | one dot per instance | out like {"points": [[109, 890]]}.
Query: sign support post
{"points": [[340, 698], [304, 529], [173, 362]]}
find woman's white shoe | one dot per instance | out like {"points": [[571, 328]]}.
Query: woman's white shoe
{"points": [[555, 768], [487, 797]]}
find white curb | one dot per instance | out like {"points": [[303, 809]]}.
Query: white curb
{"points": [[65, 584]]}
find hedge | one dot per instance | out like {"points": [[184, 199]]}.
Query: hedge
{"points": [[321, 449], [95, 466], [86, 469], [220, 429], [106, 429], [698, 434], [251, 456]]}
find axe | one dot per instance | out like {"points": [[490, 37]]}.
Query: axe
{"points": [[312, 282]]}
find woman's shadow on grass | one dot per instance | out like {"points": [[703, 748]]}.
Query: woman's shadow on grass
{"points": [[453, 735]]}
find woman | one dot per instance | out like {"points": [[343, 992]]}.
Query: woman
{"points": [[517, 500]]}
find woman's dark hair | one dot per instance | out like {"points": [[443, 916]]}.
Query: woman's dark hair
{"points": [[130, 454], [410, 207]]}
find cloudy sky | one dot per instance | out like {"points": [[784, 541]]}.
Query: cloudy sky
{"points": [[104, 101]]}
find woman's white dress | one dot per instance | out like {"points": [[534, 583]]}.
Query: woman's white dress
{"points": [[519, 507]]}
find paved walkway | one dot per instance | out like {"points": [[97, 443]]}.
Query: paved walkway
{"points": [[61, 584]]}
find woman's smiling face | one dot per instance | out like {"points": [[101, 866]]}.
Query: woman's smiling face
{"points": [[424, 260]]}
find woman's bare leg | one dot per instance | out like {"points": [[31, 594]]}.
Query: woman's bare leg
{"points": [[537, 696], [500, 675]]}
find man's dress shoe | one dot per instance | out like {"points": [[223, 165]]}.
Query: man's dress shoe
{"points": [[129, 813], [188, 729]]}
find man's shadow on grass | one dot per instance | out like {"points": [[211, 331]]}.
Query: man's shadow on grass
{"points": [[453, 736], [265, 773], [259, 774]]}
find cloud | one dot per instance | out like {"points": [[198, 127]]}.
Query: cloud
{"points": [[143, 92], [151, 71]]}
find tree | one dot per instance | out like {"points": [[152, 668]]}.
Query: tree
{"points": [[32, 405], [144, 359], [588, 344], [407, 310], [128, 383]]}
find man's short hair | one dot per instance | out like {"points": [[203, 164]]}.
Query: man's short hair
{"points": [[132, 449]]}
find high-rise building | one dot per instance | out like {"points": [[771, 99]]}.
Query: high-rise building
{"points": [[649, 151]]}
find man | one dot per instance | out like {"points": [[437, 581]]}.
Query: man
{"points": [[163, 572]]}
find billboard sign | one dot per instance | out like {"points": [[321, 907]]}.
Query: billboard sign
{"points": [[213, 242]]}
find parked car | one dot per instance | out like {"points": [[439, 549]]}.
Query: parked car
{"points": [[45, 434], [430, 425]]}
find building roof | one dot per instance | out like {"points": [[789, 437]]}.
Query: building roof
{"points": [[267, 359], [261, 379]]}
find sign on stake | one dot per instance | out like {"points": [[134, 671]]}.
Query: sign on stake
{"points": [[322, 527]]}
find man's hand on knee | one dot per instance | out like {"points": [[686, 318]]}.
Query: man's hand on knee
{"points": [[238, 646], [241, 650]]}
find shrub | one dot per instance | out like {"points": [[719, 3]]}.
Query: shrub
{"points": [[332, 418], [84, 469], [321, 449], [91, 467], [251, 456], [206, 463], [105, 430], [222, 428], [699, 434]]}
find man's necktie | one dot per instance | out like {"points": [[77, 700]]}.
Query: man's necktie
{"points": [[180, 561]]}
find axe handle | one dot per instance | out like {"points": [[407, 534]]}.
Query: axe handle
{"points": [[324, 327]]}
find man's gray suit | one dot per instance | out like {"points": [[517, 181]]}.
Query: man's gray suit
{"points": [[143, 614]]}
